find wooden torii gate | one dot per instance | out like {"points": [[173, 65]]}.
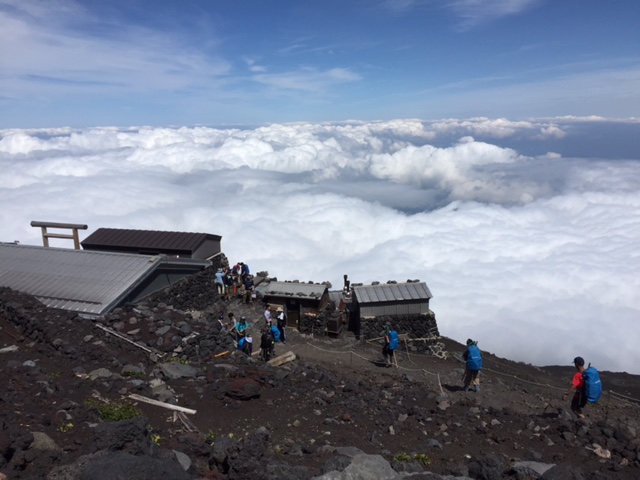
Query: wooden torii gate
{"points": [[72, 226]]}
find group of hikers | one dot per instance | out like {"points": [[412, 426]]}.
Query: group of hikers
{"points": [[270, 333], [585, 388], [236, 281]]}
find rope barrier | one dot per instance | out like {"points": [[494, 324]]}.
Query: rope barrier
{"points": [[624, 397], [427, 372], [523, 380]]}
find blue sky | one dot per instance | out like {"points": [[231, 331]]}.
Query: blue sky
{"points": [[90, 63]]}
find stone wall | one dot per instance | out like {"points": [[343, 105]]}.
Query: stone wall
{"points": [[310, 322], [422, 330]]}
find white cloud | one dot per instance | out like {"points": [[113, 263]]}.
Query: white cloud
{"points": [[534, 256], [43, 52], [307, 79], [499, 128], [474, 12]]}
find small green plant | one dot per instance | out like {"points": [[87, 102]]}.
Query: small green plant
{"points": [[54, 376], [134, 373], [155, 438], [115, 411], [402, 457], [422, 458], [176, 360], [65, 428], [209, 437]]}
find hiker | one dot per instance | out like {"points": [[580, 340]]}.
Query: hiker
{"points": [[266, 344], [579, 399], [245, 344], [282, 323], [267, 315], [387, 353], [473, 359], [229, 284], [248, 348], [235, 270], [244, 270], [220, 282], [248, 289], [242, 326]]}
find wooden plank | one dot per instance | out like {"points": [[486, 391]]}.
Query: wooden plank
{"points": [[122, 337], [158, 403], [287, 357]]}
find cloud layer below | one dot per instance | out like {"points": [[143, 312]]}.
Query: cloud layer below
{"points": [[536, 256]]}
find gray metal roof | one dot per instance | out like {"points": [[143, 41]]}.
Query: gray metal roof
{"points": [[292, 289], [392, 292], [161, 241], [77, 280]]}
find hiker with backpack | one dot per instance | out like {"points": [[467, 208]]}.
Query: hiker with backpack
{"points": [[266, 344], [585, 386], [391, 341], [245, 344], [473, 358], [229, 284]]}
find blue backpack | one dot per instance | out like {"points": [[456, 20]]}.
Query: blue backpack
{"points": [[592, 384], [474, 358], [276, 333], [394, 340], [241, 343]]}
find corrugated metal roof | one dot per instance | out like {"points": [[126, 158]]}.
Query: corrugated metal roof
{"points": [[147, 239], [291, 289], [392, 292], [77, 280]]}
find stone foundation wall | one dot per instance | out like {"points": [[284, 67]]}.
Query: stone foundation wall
{"points": [[316, 323], [422, 330]]}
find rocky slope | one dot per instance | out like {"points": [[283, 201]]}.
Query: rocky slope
{"points": [[334, 412]]}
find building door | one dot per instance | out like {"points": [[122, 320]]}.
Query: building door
{"points": [[293, 313]]}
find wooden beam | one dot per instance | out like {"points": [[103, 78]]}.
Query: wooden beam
{"points": [[158, 403], [287, 357], [122, 337], [60, 235], [79, 226]]}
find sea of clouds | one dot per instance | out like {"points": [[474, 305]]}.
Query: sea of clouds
{"points": [[531, 252]]}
